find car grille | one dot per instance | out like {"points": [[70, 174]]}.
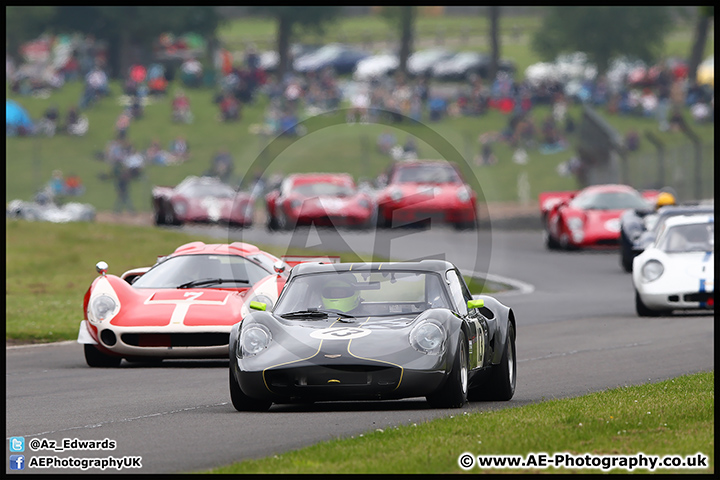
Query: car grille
{"points": [[699, 297], [608, 241], [338, 375], [212, 339]]}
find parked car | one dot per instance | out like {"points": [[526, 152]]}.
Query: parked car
{"points": [[374, 331], [413, 191], [181, 307], [340, 58], [589, 217], [376, 66], [465, 65], [323, 199], [202, 200], [269, 59], [421, 62], [677, 271]]}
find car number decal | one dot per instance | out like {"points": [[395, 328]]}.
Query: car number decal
{"points": [[344, 333], [183, 303]]}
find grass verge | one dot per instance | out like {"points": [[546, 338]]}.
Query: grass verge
{"points": [[673, 417]]}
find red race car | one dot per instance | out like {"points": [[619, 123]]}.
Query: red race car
{"points": [[321, 198], [589, 217], [202, 200], [182, 307], [421, 191]]}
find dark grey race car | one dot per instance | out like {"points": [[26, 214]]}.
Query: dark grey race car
{"points": [[372, 332]]}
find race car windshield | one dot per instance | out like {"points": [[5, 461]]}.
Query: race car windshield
{"points": [[385, 293], [427, 174], [330, 189], [216, 190], [609, 201], [181, 271], [688, 238]]}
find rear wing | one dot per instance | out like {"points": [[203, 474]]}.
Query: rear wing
{"points": [[293, 260], [548, 200]]}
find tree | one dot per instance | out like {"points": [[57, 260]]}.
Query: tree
{"points": [[403, 20], [494, 41], [132, 29], [23, 24], [604, 32], [289, 20], [702, 25]]}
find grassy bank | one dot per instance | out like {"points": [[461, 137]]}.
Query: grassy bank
{"points": [[674, 417], [338, 147]]}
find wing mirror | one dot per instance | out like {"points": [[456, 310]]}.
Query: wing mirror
{"points": [[478, 303], [279, 267], [101, 267], [258, 306]]}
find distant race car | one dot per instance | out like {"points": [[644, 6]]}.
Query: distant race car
{"points": [[323, 199], [373, 332], [202, 200], [677, 271], [589, 217], [425, 191], [638, 228], [181, 307], [49, 211]]}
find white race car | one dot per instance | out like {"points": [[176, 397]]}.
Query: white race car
{"points": [[677, 271]]}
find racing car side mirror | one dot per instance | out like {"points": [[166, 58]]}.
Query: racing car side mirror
{"points": [[258, 306], [101, 267], [478, 303]]}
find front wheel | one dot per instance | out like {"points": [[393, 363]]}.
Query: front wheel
{"points": [[95, 358], [242, 402], [501, 384], [454, 393]]}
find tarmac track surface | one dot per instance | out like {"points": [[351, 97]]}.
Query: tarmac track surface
{"points": [[577, 333]]}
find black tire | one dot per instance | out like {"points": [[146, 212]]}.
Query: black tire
{"points": [[471, 225], [626, 261], [642, 310], [159, 217], [272, 224], [381, 222], [95, 358], [550, 242], [453, 394], [500, 386], [242, 402]]}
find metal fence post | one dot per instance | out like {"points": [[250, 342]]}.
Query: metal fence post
{"points": [[660, 146]]}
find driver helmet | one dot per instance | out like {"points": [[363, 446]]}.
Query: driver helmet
{"points": [[665, 198], [340, 295]]}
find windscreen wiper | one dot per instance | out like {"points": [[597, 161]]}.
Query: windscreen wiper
{"points": [[211, 281], [315, 313]]}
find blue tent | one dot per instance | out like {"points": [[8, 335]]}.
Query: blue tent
{"points": [[16, 117]]}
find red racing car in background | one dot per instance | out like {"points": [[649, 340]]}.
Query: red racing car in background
{"points": [[202, 200], [589, 217], [321, 198], [430, 190], [182, 307]]}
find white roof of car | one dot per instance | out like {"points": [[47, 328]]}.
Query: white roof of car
{"points": [[689, 219]]}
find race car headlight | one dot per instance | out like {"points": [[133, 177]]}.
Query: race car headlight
{"points": [[652, 270], [253, 340], [575, 223], [364, 203], [428, 337], [463, 195], [396, 195], [295, 204], [103, 307], [263, 299], [180, 208]]}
